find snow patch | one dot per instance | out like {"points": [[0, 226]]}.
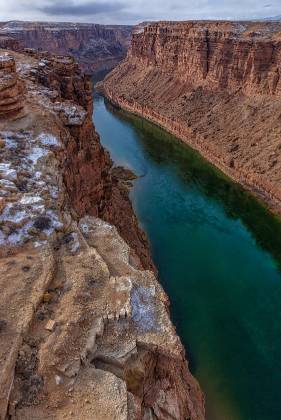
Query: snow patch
{"points": [[143, 307], [48, 139], [85, 228], [29, 207], [30, 199], [7, 172], [5, 183], [36, 154], [75, 243], [13, 213]]}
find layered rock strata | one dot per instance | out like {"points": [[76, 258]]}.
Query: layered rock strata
{"points": [[11, 88], [85, 330], [95, 47], [91, 187], [216, 86], [9, 43]]}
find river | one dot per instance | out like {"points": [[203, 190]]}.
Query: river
{"points": [[218, 252]]}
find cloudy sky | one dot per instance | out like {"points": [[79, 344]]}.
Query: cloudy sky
{"points": [[134, 11]]}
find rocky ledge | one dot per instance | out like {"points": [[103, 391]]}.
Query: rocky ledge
{"points": [[84, 324], [11, 88], [216, 86]]}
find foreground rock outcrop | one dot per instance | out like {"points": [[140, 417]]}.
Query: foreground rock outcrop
{"points": [[95, 47], [84, 325], [11, 88], [216, 86]]}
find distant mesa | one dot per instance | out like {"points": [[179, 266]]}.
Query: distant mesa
{"points": [[273, 18], [95, 47]]}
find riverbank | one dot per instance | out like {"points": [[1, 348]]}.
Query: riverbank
{"points": [[261, 188], [217, 250], [215, 86]]}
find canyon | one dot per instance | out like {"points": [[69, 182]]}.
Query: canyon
{"points": [[84, 323], [96, 47], [217, 87], [85, 326]]}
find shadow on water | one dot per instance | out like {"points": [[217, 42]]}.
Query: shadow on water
{"points": [[100, 75], [163, 148], [218, 252]]}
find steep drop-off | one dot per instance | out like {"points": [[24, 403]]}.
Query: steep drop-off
{"points": [[95, 47], [84, 325], [216, 86]]}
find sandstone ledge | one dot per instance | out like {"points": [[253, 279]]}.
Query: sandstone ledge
{"points": [[11, 88]]}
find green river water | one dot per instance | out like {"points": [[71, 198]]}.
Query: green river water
{"points": [[218, 252]]}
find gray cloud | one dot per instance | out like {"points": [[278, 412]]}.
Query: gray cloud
{"points": [[134, 11], [70, 8]]}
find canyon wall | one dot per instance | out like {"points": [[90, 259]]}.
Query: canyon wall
{"points": [[216, 86], [84, 324], [224, 55], [95, 47]]}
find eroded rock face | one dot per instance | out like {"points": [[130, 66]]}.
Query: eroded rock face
{"points": [[91, 188], [222, 55], [63, 75], [216, 86], [11, 88], [96, 47], [9, 43], [84, 328]]}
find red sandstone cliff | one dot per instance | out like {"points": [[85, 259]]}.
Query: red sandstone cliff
{"points": [[95, 47], [216, 86], [92, 188], [223, 55]]}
